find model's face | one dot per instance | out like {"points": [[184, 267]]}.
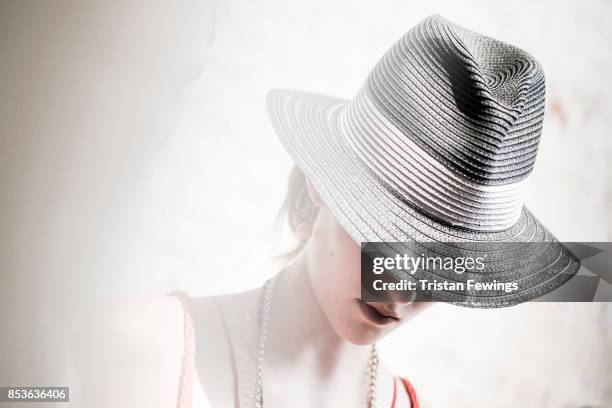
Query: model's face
{"points": [[334, 267]]}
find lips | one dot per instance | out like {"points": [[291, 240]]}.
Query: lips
{"points": [[383, 311], [377, 314]]}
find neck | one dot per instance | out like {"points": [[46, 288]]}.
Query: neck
{"points": [[300, 338]]}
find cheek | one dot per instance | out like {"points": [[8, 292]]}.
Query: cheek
{"points": [[338, 257], [347, 257], [334, 263]]}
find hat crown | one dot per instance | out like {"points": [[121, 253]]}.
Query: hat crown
{"points": [[449, 121], [474, 103]]}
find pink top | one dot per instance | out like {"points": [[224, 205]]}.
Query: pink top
{"points": [[185, 392]]}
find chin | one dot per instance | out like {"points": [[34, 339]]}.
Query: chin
{"points": [[361, 335], [361, 341]]}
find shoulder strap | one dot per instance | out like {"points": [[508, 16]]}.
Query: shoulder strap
{"points": [[185, 391], [412, 396]]}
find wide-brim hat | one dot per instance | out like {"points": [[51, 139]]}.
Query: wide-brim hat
{"points": [[436, 146]]}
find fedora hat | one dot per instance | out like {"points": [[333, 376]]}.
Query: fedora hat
{"points": [[436, 146]]}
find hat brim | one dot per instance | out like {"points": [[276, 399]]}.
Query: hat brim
{"points": [[309, 127]]}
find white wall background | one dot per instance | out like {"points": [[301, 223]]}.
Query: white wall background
{"points": [[136, 156]]}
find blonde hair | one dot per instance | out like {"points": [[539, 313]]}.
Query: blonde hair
{"points": [[297, 207]]}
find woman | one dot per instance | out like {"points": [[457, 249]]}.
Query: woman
{"points": [[317, 330], [436, 146], [316, 351]]}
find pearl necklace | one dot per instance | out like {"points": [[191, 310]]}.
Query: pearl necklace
{"points": [[264, 314]]}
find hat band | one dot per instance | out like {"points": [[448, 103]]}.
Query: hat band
{"points": [[423, 181]]}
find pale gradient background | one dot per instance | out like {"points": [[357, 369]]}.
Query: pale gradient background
{"points": [[136, 157]]}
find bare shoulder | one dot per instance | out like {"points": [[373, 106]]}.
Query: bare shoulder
{"points": [[235, 304], [225, 334], [235, 310], [128, 352]]}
